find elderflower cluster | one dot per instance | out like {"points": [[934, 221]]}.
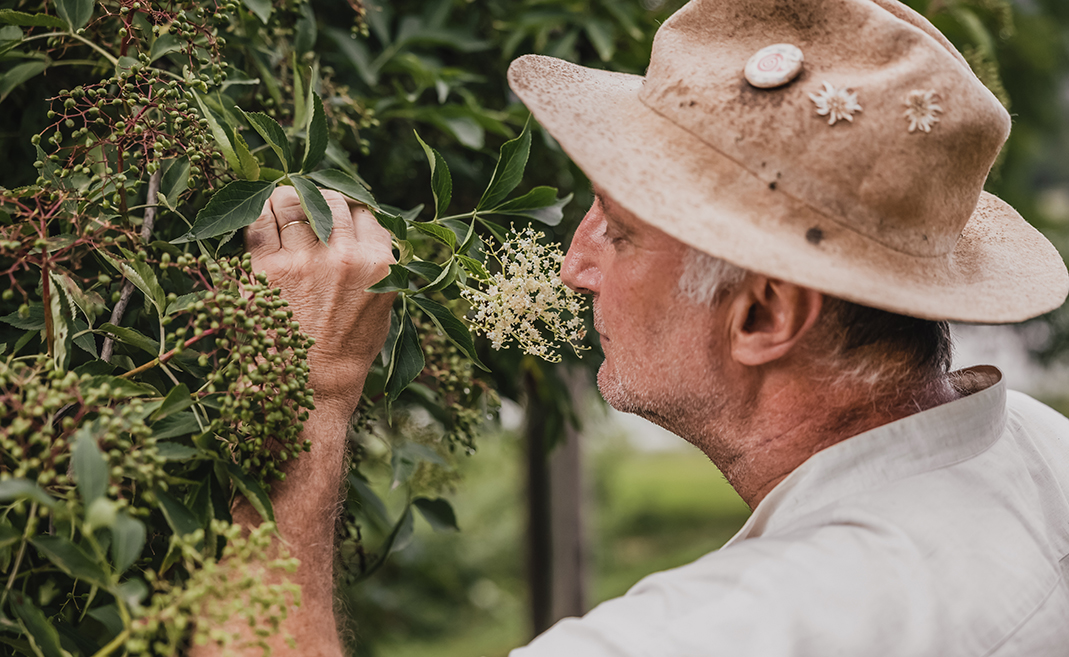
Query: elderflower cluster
{"points": [[528, 291]]}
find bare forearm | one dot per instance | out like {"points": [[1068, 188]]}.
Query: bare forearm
{"points": [[305, 506]]}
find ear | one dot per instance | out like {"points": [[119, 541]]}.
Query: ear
{"points": [[769, 317]]}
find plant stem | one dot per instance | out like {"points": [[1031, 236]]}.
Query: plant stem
{"points": [[31, 526], [114, 644], [128, 285], [466, 215], [103, 53], [165, 357]]}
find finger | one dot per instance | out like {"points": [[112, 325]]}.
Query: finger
{"points": [[343, 230], [294, 231], [261, 236], [368, 229]]}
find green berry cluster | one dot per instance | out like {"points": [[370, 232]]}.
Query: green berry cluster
{"points": [[259, 380], [465, 398], [219, 596], [42, 412]]}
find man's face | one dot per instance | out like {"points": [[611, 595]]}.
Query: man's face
{"points": [[660, 348]]}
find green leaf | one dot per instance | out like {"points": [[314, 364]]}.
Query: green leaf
{"points": [[128, 539], [602, 38], [307, 31], [132, 337], [76, 13], [441, 181], [399, 537], [231, 208], [33, 321], [509, 170], [438, 513], [393, 223], [315, 145], [181, 519], [178, 399], [248, 165], [10, 36], [315, 207], [541, 204], [169, 451], [12, 17], [23, 489], [8, 535], [19, 74], [165, 44], [371, 503], [179, 424], [71, 559], [141, 275], [474, 267], [222, 139], [406, 359], [90, 466], [453, 328], [43, 637], [342, 182], [395, 281], [252, 491], [273, 134], [175, 180], [260, 8], [124, 66], [438, 232], [428, 271]]}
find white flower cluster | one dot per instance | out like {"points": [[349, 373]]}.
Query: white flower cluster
{"points": [[526, 290]]}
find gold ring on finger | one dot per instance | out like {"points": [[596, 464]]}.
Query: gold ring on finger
{"points": [[291, 223]]}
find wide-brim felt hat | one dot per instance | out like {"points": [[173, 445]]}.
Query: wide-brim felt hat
{"points": [[849, 158]]}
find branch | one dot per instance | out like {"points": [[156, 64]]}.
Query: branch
{"points": [[167, 356], [128, 286]]}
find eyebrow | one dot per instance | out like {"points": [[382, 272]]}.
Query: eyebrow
{"points": [[612, 212]]}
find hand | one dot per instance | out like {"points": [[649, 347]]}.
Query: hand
{"points": [[325, 285]]}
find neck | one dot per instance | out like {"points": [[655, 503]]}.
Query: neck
{"points": [[778, 427]]}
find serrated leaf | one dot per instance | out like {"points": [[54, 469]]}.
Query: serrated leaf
{"points": [[231, 208], [260, 8], [44, 638], [71, 559], [23, 489], [179, 517], [315, 207], [248, 165], [252, 491], [273, 134], [182, 302], [61, 330], [132, 337], [90, 466], [509, 170], [445, 277], [33, 321], [393, 223], [438, 232], [127, 540], [345, 184], [76, 13], [474, 267], [222, 139], [453, 328], [406, 359], [428, 271], [438, 513], [10, 36], [145, 279], [178, 399], [12, 17], [315, 145], [395, 281], [441, 181]]}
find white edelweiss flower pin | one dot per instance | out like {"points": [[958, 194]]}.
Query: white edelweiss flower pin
{"points": [[921, 110], [836, 104]]}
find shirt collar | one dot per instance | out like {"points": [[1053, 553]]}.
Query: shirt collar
{"points": [[925, 441]]}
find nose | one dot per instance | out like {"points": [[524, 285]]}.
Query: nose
{"points": [[580, 269]]}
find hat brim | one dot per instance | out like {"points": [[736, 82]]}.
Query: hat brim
{"points": [[1002, 270]]}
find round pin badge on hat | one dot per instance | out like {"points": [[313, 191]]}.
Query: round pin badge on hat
{"points": [[774, 66]]}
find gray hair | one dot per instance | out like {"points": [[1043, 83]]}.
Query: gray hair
{"points": [[705, 276], [862, 345]]}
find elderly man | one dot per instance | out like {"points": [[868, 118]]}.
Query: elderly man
{"points": [[789, 209]]}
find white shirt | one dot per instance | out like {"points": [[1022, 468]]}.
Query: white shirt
{"points": [[944, 533]]}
